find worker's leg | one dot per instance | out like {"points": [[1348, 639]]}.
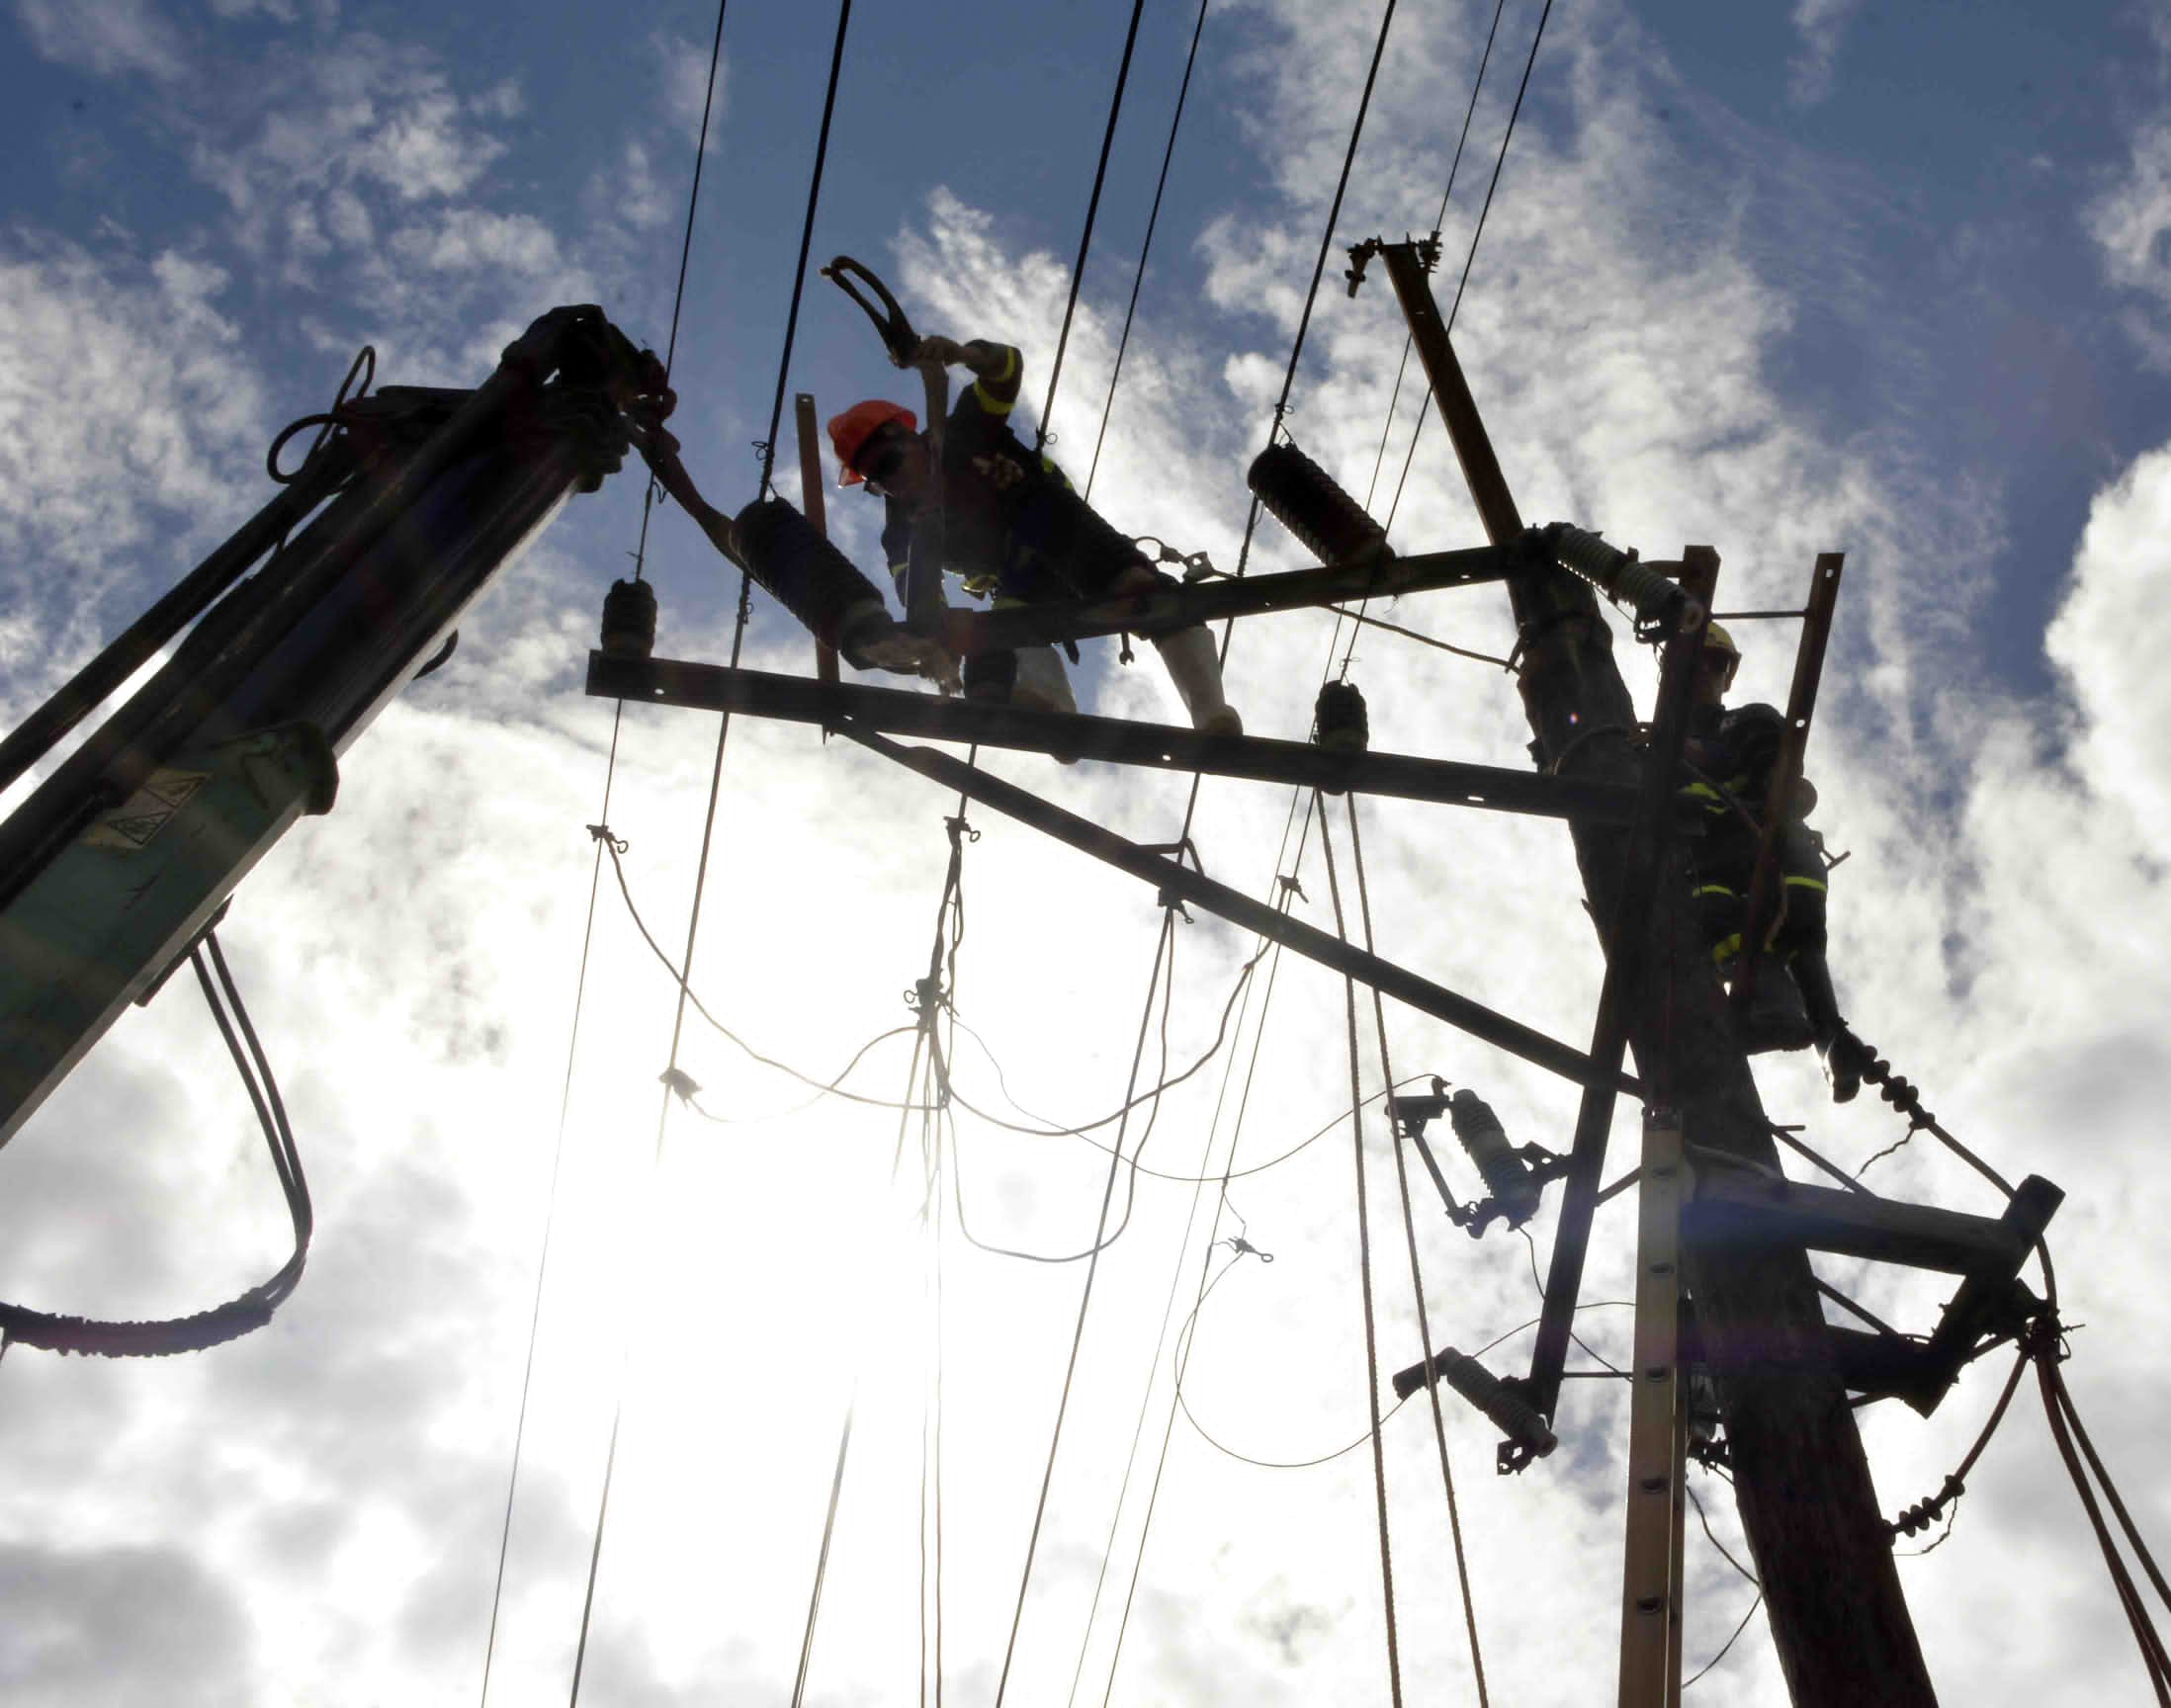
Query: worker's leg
{"points": [[1802, 942], [1773, 1018], [1194, 666]]}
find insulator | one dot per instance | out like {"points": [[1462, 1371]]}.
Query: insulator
{"points": [[1305, 500], [1339, 724], [1506, 1175], [788, 555], [1617, 574], [629, 620], [1515, 1417]]}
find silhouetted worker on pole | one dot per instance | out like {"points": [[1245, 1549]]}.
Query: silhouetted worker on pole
{"points": [[1729, 756], [1012, 528]]}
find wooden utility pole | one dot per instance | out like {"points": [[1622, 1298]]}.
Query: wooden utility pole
{"points": [[1832, 1593]]}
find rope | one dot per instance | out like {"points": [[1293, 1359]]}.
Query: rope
{"points": [[1365, 1275], [249, 1311], [1417, 1274], [806, 239], [1145, 248], [1500, 161], [1086, 238]]}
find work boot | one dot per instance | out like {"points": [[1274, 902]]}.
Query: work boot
{"points": [[1041, 684], [1775, 1018], [1194, 666]]}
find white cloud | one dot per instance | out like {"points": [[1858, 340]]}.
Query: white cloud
{"points": [[2131, 224], [1823, 26], [683, 64], [126, 408], [106, 37]]}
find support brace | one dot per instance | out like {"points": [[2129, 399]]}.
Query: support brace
{"points": [[1180, 881]]}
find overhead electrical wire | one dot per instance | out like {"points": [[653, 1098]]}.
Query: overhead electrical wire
{"points": [[1086, 238], [1145, 250], [1470, 259], [588, 930], [684, 970]]}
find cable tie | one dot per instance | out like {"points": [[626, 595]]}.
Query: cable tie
{"points": [[602, 834], [1244, 1249]]}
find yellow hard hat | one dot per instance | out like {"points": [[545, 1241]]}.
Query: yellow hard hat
{"points": [[1716, 639]]}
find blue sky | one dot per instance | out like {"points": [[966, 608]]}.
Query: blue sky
{"points": [[1888, 281]]}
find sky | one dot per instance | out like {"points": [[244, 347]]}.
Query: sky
{"points": [[1892, 281]]}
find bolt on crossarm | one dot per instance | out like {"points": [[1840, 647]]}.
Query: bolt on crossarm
{"points": [[1838, 1619]]}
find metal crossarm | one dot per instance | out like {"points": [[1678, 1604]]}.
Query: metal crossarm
{"points": [[966, 633], [901, 711], [1173, 879]]}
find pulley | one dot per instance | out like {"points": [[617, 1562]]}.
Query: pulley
{"points": [[1305, 500], [629, 620]]}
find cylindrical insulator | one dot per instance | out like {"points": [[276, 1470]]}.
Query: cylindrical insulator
{"points": [[629, 620], [1617, 574], [1515, 1417], [1339, 724], [789, 557], [1505, 1175], [1305, 500]]}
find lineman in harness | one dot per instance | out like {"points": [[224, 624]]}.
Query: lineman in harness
{"points": [[1012, 528], [1729, 756]]}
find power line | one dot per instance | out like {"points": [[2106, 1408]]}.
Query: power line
{"points": [[1086, 238], [588, 930], [1500, 160], [1146, 247], [806, 239]]}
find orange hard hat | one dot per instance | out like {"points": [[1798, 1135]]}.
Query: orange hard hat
{"points": [[851, 430]]}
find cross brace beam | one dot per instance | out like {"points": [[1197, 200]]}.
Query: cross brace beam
{"points": [[1179, 882], [966, 633], [901, 711], [1734, 1207]]}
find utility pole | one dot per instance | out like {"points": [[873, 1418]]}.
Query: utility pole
{"points": [[1832, 1592]]}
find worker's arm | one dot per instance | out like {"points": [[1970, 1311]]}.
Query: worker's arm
{"points": [[997, 368]]}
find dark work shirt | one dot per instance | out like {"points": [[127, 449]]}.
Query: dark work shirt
{"points": [[1011, 521]]}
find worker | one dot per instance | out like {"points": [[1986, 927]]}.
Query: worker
{"points": [[1012, 528], [1729, 756]]}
